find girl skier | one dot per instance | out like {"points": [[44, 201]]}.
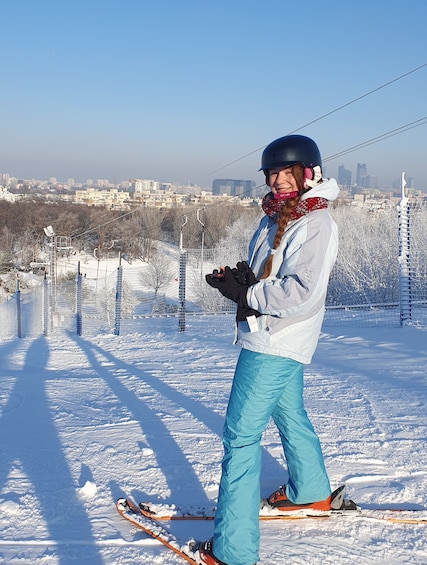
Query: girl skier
{"points": [[280, 294]]}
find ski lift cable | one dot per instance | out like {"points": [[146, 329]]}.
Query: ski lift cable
{"points": [[391, 133], [373, 140], [344, 152], [377, 139], [90, 230], [324, 115]]}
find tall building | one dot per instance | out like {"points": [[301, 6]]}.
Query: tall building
{"points": [[231, 187], [361, 175], [138, 186], [344, 177], [371, 181]]}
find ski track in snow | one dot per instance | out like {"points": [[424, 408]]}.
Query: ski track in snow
{"points": [[87, 420]]}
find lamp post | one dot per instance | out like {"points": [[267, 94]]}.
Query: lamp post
{"points": [[50, 234], [203, 241]]}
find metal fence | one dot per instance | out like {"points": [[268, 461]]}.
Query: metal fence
{"points": [[116, 298]]}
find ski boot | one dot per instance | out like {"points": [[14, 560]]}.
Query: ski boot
{"points": [[334, 501]]}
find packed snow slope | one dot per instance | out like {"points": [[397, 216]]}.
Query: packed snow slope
{"points": [[87, 420]]}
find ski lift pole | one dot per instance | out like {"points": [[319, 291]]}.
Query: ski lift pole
{"points": [[119, 292], [405, 294], [79, 301], [18, 309], [182, 282]]}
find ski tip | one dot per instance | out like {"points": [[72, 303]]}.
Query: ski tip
{"points": [[125, 504]]}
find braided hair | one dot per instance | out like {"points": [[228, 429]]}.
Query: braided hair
{"points": [[284, 216]]}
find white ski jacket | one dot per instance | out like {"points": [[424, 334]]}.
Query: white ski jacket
{"points": [[292, 299]]}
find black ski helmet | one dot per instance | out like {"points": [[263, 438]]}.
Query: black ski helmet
{"points": [[291, 150]]}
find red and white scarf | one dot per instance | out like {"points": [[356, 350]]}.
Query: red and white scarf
{"points": [[272, 206]]}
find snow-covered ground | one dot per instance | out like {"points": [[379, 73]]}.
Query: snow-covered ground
{"points": [[84, 421]]}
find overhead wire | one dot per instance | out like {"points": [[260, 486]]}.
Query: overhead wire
{"points": [[377, 139], [371, 141], [90, 230], [400, 77], [391, 133]]}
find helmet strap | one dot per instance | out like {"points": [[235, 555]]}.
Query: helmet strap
{"points": [[285, 195]]}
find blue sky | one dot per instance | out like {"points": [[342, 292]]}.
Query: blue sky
{"points": [[183, 90]]}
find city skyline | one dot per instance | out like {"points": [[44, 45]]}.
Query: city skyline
{"points": [[346, 179], [188, 92]]}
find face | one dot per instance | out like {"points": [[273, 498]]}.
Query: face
{"points": [[282, 180]]}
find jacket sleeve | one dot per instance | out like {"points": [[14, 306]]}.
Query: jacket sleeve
{"points": [[301, 269]]}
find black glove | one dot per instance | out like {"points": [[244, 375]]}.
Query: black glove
{"points": [[244, 274], [233, 290], [228, 286]]}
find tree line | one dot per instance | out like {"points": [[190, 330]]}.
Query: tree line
{"points": [[96, 229], [366, 271]]}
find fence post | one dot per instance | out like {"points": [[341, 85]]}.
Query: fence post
{"points": [[181, 275], [405, 295], [45, 306], [79, 301], [18, 308], [181, 290], [119, 290]]}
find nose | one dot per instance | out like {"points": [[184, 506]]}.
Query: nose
{"points": [[282, 178]]}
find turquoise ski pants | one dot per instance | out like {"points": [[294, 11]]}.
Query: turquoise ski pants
{"points": [[264, 386]]}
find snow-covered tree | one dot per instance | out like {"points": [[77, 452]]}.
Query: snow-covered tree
{"points": [[158, 273], [366, 270]]}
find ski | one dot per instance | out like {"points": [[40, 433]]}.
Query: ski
{"points": [[150, 519], [182, 513], [152, 528], [188, 550], [163, 512], [341, 507]]}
